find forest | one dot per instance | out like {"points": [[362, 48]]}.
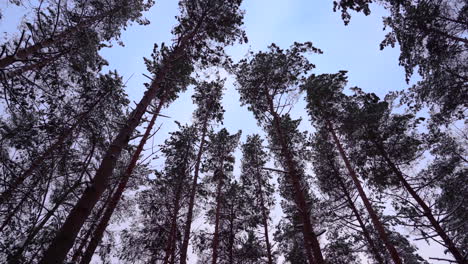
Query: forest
{"points": [[332, 174]]}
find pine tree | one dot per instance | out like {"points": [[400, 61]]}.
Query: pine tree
{"points": [[67, 28], [324, 99], [195, 30], [267, 83], [160, 228], [208, 97], [256, 182], [224, 201]]}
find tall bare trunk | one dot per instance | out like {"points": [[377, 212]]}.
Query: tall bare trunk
{"points": [[171, 244], [193, 192], [375, 219], [64, 239], [214, 259], [426, 209], [265, 221], [311, 245], [101, 228]]}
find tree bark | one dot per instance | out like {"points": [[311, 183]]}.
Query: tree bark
{"points": [[265, 221], [193, 192], [214, 259], [427, 211], [311, 245], [101, 228], [365, 232], [63, 241], [170, 249], [375, 220], [25, 53]]}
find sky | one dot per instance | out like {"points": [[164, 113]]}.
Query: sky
{"points": [[354, 48]]}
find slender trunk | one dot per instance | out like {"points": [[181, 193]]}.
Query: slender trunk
{"points": [[231, 234], [193, 192], [66, 236], [170, 249], [311, 245], [217, 216], [375, 220], [25, 53], [365, 232], [63, 241], [101, 228], [265, 222], [427, 211]]}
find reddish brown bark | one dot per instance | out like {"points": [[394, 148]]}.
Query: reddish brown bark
{"points": [[101, 228], [214, 258], [66, 236], [311, 245], [375, 219], [427, 211], [264, 221], [365, 232], [193, 192]]}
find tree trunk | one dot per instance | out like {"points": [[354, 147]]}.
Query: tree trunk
{"points": [[375, 220], [311, 245], [265, 221], [214, 259], [427, 211], [231, 234], [170, 249], [193, 192], [101, 228], [65, 237], [63, 241], [365, 232], [25, 53]]}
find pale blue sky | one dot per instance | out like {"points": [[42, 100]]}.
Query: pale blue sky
{"points": [[354, 48]]}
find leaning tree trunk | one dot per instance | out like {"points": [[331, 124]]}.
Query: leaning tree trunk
{"points": [[311, 245], [25, 53], [427, 211], [63, 241], [193, 192], [375, 219], [100, 229], [90, 231], [365, 232]]}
